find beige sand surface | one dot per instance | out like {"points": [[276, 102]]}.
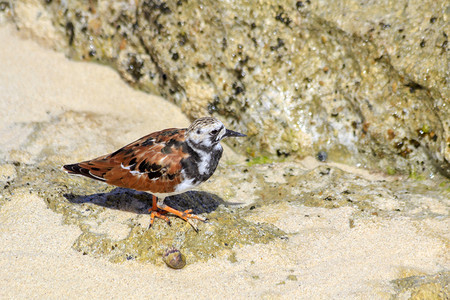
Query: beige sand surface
{"points": [[324, 258]]}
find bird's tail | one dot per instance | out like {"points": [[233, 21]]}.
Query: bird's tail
{"points": [[77, 169]]}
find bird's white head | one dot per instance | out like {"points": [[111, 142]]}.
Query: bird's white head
{"points": [[207, 132]]}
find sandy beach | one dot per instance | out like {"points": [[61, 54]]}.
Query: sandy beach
{"points": [[83, 110]]}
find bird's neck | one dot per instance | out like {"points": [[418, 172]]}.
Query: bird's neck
{"points": [[202, 161]]}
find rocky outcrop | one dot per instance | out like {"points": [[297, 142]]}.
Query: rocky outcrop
{"points": [[368, 83]]}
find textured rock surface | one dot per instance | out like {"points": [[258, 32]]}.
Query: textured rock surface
{"points": [[114, 222], [367, 82], [436, 286]]}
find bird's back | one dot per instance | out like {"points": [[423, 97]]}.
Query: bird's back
{"points": [[152, 163]]}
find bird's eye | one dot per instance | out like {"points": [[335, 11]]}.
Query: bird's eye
{"points": [[214, 132], [199, 131]]}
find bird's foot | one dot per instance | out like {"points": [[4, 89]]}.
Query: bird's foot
{"points": [[159, 210], [185, 215], [161, 214]]}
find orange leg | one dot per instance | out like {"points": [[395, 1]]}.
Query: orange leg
{"points": [[159, 211]]}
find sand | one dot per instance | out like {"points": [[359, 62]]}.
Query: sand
{"points": [[324, 258]]}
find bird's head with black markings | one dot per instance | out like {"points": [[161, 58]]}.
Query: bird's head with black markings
{"points": [[206, 133]]}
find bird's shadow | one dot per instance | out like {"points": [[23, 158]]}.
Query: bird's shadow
{"points": [[139, 202]]}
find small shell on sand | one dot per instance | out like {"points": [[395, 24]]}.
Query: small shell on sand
{"points": [[174, 258]]}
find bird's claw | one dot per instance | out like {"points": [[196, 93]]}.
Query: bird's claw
{"points": [[160, 211]]}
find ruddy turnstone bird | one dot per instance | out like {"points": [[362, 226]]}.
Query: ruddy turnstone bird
{"points": [[164, 163]]}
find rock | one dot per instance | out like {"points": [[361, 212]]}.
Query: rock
{"points": [[436, 286], [297, 77], [114, 221]]}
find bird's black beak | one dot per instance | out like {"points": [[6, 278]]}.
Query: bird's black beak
{"points": [[232, 133]]}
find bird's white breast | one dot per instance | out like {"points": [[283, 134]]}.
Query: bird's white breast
{"points": [[185, 185]]}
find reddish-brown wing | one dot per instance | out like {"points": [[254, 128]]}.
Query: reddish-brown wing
{"points": [[151, 163]]}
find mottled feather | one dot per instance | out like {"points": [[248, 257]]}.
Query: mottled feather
{"points": [[152, 163]]}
